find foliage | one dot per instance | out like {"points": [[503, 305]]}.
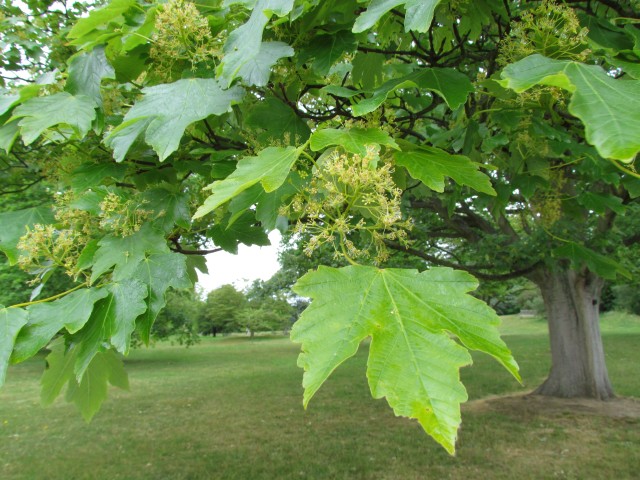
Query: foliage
{"points": [[273, 301], [507, 297], [260, 308], [345, 117], [267, 315], [627, 298], [32, 37], [221, 312], [424, 315], [178, 319]]}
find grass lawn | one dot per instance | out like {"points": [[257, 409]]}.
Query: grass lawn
{"points": [[231, 408]]}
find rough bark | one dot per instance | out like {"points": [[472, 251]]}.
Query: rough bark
{"points": [[578, 367]]}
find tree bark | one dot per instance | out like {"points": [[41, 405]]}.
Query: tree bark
{"points": [[578, 367]]}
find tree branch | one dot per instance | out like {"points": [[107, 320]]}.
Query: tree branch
{"points": [[467, 268]]}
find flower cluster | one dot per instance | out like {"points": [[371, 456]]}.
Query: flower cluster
{"points": [[547, 203], [352, 204], [182, 34], [551, 30], [122, 216], [45, 247]]}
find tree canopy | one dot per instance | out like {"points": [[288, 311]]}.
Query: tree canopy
{"points": [[221, 310], [496, 137]]}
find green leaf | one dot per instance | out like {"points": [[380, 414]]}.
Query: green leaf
{"points": [[412, 319], [159, 272], [39, 114], [367, 70], [139, 33], [431, 165], [90, 201], [603, 35], [25, 93], [418, 16], [130, 65], [342, 92], [244, 43], [274, 120], [112, 321], [632, 185], [117, 374], [257, 70], [125, 135], [267, 204], [91, 392], [353, 140], [85, 259], [88, 395], [8, 101], [242, 230], [600, 203], [270, 167], [46, 319], [608, 108], [15, 224], [100, 17], [11, 321], [172, 108], [169, 205], [195, 264], [327, 49], [8, 134], [453, 86], [88, 175], [59, 371], [128, 304], [123, 254], [598, 264], [86, 72]]}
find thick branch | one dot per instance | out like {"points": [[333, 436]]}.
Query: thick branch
{"points": [[22, 188], [471, 269], [178, 248]]}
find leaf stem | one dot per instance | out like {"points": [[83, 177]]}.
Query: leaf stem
{"points": [[555, 237], [344, 252], [54, 297], [624, 169], [144, 37], [313, 160]]}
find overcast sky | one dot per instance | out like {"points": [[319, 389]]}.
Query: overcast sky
{"points": [[240, 270]]}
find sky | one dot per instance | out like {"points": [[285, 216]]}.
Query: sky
{"points": [[240, 270]]}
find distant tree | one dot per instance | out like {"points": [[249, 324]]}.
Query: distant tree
{"points": [[271, 304], [267, 315], [506, 297], [627, 298], [221, 311], [179, 319]]}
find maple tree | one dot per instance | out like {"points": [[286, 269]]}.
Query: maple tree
{"points": [[366, 126]]}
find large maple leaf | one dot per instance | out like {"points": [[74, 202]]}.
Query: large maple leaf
{"points": [[421, 327]]}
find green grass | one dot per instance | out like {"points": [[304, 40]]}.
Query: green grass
{"points": [[231, 409]]}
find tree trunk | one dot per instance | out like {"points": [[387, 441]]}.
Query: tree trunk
{"points": [[578, 366]]}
